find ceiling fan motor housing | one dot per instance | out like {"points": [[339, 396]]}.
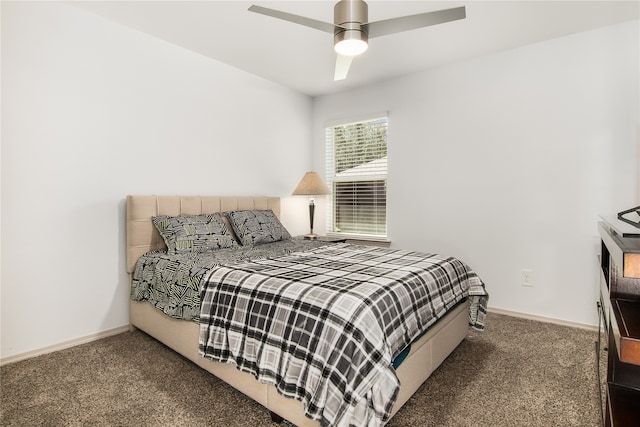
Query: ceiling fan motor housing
{"points": [[350, 18]]}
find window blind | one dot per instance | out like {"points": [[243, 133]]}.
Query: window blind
{"points": [[356, 159]]}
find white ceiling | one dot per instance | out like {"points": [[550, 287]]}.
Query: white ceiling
{"points": [[303, 59]]}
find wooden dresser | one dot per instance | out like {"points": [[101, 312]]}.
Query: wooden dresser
{"points": [[619, 307]]}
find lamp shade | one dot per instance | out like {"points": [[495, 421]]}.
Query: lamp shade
{"points": [[311, 185]]}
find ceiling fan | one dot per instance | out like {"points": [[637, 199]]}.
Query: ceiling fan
{"points": [[352, 30]]}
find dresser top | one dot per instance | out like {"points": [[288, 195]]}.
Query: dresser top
{"points": [[621, 228]]}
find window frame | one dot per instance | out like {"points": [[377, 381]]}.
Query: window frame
{"points": [[371, 176]]}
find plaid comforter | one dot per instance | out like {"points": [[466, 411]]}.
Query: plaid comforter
{"points": [[324, 325]]}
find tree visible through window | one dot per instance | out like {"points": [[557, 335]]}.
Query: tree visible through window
{"points": [[356, 158]]}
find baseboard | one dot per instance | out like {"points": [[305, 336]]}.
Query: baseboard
{"points": [[543, 319], [64, 345]]}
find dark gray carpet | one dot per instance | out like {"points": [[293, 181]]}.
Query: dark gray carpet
{"points": [[516, 373]]}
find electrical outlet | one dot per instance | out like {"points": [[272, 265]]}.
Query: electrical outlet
{"points": [[526, 278]]}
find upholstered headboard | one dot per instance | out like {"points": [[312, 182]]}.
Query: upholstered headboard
{"points": [[143, 237]]}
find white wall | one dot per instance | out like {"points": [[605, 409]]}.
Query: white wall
{"points": [[93, 111], [505, 161]]}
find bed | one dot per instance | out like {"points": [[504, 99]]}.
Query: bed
{"points": [[411, 368]]}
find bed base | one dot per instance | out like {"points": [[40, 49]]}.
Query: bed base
{"points": [[182, 336]]}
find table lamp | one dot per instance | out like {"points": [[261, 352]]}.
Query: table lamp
{"points": [[311, 185]]}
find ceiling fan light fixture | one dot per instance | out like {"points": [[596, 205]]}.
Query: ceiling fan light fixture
{"points": [[351, 27], [350, 43], [350, 36]]}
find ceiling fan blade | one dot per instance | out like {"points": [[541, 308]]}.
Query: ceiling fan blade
{"points": [[343, 63], [405, 23], [296, 19]]}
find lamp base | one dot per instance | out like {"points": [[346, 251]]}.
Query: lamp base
{"points": [[311, 236]]}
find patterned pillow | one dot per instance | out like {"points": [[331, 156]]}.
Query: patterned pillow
{"points": [[256, 226], [193, 233]]}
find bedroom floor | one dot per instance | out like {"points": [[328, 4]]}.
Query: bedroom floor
{"points": [[516, 373]]}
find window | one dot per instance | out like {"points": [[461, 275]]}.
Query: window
{"points": [[356, 159]]}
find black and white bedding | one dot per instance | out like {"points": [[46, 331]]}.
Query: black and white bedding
{"points": [[324, 325], [321, 322], [172, 281]]}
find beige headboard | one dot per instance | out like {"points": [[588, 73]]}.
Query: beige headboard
{"points": [[142, 235]]}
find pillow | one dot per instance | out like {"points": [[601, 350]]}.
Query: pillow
{"points": [[255, 227], [193, 233]]}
